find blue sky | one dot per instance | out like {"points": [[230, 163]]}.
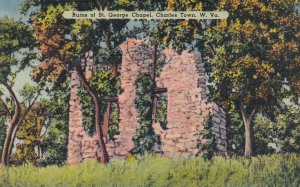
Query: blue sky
{"points": [[10, 8]]}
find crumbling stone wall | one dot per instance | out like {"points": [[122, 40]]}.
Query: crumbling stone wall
{"points": [[219, 129], [188, 108], [184, 78], [80, 144], [136, 59]]}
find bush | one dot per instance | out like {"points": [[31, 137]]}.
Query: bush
{"points": [[275, 170]]}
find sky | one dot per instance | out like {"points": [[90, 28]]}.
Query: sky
{"points": [[10, 8]]}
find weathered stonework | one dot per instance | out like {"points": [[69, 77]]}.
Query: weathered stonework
{"points": [[80, 144], [184, 78], [188, 108], [136, 60], [219, 129]]}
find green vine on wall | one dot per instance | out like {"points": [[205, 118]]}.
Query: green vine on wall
{"points": [[162, 107], [208, 142], [145, 137], [114, 120], [106, 86]]}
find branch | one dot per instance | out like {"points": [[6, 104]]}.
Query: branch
{"points": [[19, 122], [243, 111], [29, 108], [82, 78], [41, 136], [6, 108], [107, 41], [99, 5], [12, 94], [17, 111], [253, 112]]}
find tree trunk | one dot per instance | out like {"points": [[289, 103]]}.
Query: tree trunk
{"points": [[105, 125], [11, 128], [5, 152], [112, 63], [249, 133], [154, 101], [248, 138], [15, 130], [104, 156]]}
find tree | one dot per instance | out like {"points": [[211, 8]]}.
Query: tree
{"points": [[55, 141], [60, 53], [280, 133], [14, 38], [250, 54], [31, 131]]}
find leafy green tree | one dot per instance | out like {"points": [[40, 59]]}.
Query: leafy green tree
{"points": [[55, 141], [280, 133], [250, 54], [15, 38], [235, 133]]}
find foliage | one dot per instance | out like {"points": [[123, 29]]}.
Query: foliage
{"points": [[16, 53], [50, 30], [14, 36], [249, 59], [105, 86], [55, 142], [275, 170], [62, 42], [208, 143], [281, 134], [16, 44], [145, 137], [250, 54], [30, 134], [88, 111], [235, 133], [3, 128], [161, 113], [288, 125], [114, 120]]}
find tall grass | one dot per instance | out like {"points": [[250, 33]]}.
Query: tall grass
{"points": [[275, 170]]}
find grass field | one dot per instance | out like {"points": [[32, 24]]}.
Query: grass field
{"points": [[275, 170]]}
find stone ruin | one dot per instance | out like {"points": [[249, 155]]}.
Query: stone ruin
{"points": [[183, 77]]}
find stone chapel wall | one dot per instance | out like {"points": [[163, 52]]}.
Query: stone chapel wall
{"points": [[80, 144]]}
